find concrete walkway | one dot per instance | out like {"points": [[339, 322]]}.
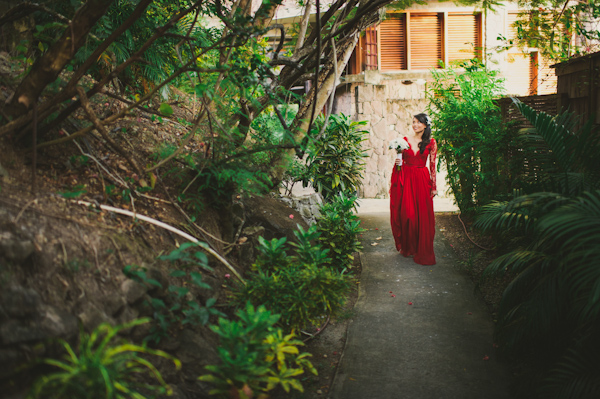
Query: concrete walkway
{"points": [[419, 332]]}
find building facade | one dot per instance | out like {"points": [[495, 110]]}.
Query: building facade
{"points": [[386, 79]]}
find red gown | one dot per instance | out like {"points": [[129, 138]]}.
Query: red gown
{"points": [[411, 204]]}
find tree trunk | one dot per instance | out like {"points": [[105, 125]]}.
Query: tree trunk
{"points": [[49, 66]]}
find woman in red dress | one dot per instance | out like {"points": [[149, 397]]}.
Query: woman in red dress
{"points": [[411, 195]]}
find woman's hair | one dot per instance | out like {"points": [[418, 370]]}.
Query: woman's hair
{"points": [[426, 138]]}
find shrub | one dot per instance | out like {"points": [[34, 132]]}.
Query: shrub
{"points": [[339, 228], [176, 309], [302, 290], [103, 369], [467, 128], [549, 316], [272, 255], [335, 159], [255, 356]]}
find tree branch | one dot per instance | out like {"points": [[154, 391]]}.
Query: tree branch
{"points": [[303, 26], [102, 130], [24, 9], [49, 65]]}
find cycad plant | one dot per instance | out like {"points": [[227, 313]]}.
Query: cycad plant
{"points": [[549, 316]]}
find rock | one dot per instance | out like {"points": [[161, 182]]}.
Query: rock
{"points": [[15, 249], [128, 314], [9, 358], [274, 215], [16, 331], [57, 322], [113, 303], [91, 317], [196, 351], [132, 290], [20, 302]]}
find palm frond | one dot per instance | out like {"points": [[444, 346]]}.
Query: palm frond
{"points": [[577, 375]]}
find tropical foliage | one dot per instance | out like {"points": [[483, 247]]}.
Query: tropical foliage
{"points": [[335, 156], [302, 288], [339, 228], [466, 127], [549, 315], [550, 27], [102, 367], [256, 356]]}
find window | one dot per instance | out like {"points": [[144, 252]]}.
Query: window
{"points": [[528, 72], [419, 40], [371, 48]]}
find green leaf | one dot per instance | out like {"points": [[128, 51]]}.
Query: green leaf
{"points": [[166, 109]]}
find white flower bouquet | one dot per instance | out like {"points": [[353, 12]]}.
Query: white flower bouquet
{"points": [[399, 145]]}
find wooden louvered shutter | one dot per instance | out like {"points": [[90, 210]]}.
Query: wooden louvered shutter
{"points": [[511, 18], [392, 37], [464, 36], [519, 74], [425, 40], [522, 76]]}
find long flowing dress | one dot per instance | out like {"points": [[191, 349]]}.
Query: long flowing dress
{"points": [[411, 204]]}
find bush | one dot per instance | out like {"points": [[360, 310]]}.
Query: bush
{"points": [[301, 290], [176, 309], [335, 159], [471, 140], [103, 369], [255, 356], [339, 228], [549, 316]]}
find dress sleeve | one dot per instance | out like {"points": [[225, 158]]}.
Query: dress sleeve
{"points": [[432, 163]]}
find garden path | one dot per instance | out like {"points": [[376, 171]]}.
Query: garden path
{"points": [[419, 332]]}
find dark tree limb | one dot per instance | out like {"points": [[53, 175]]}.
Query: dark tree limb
{"points": [[47, 67], [120, 68], [24, 9], [102, 130]]}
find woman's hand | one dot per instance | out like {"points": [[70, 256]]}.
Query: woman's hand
{"points": [[398, 162], [433, 193]]}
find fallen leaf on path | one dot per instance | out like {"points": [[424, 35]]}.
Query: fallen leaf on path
{"points": [[379, 238], [410, 303], [470, 313], [374, 243], [486, 357], [393, 296]]}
